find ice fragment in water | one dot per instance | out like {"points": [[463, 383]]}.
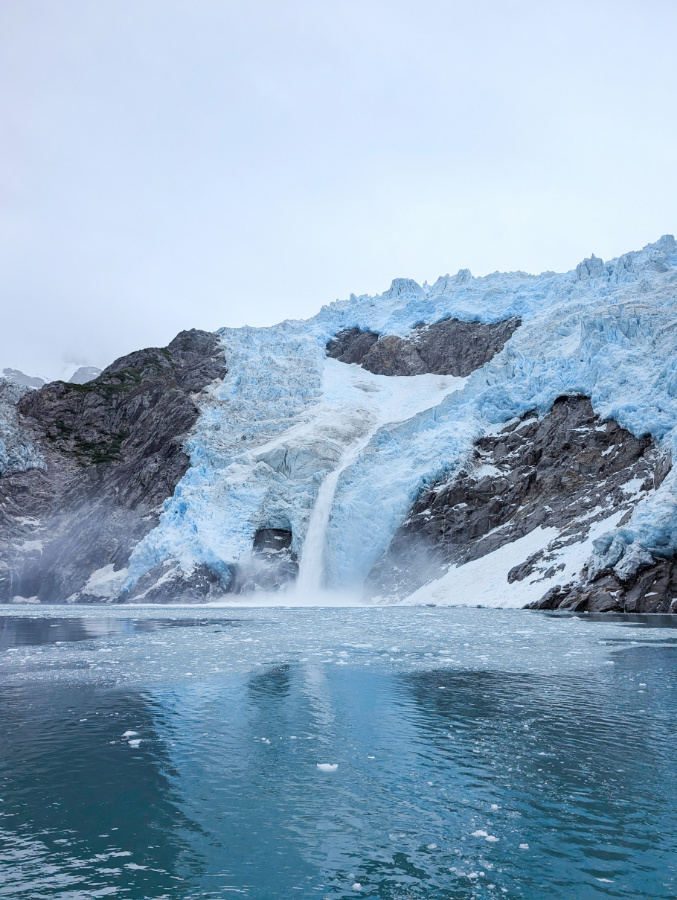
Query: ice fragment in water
{"points": [[135, 744], [327, 767], [129, 734]]}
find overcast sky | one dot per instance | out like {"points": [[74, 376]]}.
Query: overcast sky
{"points": [[166, 164]]}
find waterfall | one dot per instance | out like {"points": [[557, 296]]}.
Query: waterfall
{"points": [[311, 567], [312, 557]]}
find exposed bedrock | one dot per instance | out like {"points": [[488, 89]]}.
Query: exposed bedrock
{"points": [[113, 449], [567, 470], [273, 566], [449, 347]]}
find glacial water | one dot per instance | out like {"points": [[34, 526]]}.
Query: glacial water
{"points": [[335, 753]]}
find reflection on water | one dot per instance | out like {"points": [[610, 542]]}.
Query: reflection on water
{"points": [[646, 620], [81, 810], [454, 780], [17, 631]]}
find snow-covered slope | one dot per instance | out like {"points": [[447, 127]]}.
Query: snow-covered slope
{"points": [[285, 417]]}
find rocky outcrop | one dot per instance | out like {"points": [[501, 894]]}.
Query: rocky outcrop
{"points": [[273, 566], [652, 588], [567, 469], [449, 347], [113, 452]]}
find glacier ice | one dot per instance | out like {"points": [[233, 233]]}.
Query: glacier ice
{"points": [[285, 416], [17, 451]]}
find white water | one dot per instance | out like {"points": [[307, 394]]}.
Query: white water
{"points": [[311, 568]]}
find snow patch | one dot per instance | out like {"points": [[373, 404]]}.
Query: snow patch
{"points": [[484, 581]]}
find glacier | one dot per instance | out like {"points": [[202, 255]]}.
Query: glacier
{"points": [[286, 419], [18, 452]]}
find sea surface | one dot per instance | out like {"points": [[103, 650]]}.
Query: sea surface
{"points": [[212, 752]]}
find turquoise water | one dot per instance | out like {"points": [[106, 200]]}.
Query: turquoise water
{"points": [[478, 754]]}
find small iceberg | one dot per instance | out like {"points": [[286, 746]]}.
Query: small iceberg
{"points": [[327, 767]]}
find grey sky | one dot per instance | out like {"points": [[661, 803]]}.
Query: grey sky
{"points": [[174, 164]]}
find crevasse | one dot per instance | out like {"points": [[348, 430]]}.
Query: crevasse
{"points": [[285, 416]]}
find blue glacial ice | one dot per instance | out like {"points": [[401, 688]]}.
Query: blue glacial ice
{"points": [[17, 451], [286, 417]]}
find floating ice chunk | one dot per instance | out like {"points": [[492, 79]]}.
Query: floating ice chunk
{"points": [[357, 886], [135, 743], [129, 734], [524, 846], [491, 838], [480, 834], [327, 767], [494, 806]]}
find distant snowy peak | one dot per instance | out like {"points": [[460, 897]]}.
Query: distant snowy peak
{"points": [[72, 374], [16, 376], [84, 374]]}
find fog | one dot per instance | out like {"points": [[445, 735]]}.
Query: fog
{"points": [[167, 164]]}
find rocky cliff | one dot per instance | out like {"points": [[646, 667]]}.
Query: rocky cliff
{"points": [[111, 452]]}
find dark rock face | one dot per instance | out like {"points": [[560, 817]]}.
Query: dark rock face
{"points": [[273, 565], [566, 470], [351, 345], [449, 347], [652, 589], [113, 449]]}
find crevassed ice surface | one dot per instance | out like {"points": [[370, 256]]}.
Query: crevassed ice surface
{"points": [[285, 416]]}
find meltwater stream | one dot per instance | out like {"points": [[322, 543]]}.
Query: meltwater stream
{"points": [[390, 753], [311, 567]]}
